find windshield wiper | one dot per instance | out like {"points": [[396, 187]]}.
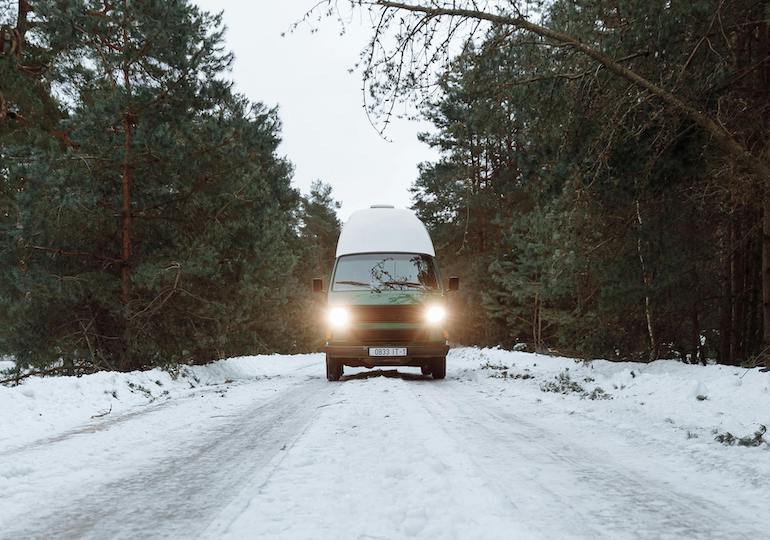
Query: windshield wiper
{"points": [[358, 283], [404, 283]]}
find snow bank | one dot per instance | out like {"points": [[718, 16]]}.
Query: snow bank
{"points": [[45, 406], [696, 401], [661, 399]]}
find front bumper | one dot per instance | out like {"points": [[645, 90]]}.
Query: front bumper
{"points": [[358, 355]]}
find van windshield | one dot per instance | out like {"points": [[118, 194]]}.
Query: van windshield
{"points": [[385, 272]]}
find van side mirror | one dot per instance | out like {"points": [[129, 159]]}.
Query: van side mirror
{"points": [[454, 284], [318, 285]]}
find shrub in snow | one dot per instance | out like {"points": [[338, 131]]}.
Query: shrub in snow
{"points": [[501, 371], [177, 371], [490, 365], [598, 393], [504, 374], [136, 388], [757, 439], [563, 384]]}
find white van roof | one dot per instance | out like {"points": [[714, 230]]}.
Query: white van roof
{"points": [[383, 229]]}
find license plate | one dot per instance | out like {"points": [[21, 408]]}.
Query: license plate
{"points": [[387, 351]]}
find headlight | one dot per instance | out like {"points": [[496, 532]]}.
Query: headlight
{"points": [[338, 317], [435, 314]]}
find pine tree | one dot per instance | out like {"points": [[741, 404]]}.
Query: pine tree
{"points": [[320, 227], [164, 231], [318, 231]]}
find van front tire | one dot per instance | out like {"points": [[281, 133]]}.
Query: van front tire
{"points": [[438, 368], [334, 369]]}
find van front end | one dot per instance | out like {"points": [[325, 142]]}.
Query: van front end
{"points": [[390, 329]]}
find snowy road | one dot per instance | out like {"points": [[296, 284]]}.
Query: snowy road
{"points": [[380, 455]]}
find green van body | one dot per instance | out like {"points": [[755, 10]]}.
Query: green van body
{"points": [[388, 322]]}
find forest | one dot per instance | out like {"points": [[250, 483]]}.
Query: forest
{"points": [[602, 190], [146, 217]]}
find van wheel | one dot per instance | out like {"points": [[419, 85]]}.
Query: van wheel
{"points": [[426, 369], [438, 367], [334, 369]]}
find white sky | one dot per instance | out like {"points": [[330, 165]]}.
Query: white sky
{"points": [[325, 131]]}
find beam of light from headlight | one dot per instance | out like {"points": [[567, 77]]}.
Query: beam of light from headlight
{"points": [[435, 314], [338, 317]]}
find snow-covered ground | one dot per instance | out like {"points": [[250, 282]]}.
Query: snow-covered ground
{"points": [[510, 445]]}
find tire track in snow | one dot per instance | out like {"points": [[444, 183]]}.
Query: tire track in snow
{"points": [[488, 462], [180, 494], [109, 422], [372, 465], [573, 490]]}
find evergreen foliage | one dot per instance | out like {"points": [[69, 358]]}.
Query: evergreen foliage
{"points": [[318, 231], [159, 225], [596, 220]]}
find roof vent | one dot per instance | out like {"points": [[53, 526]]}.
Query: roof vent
{"points": [[382, 206]]}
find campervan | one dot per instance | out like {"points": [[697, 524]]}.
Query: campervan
{"points": [[386, 299]]}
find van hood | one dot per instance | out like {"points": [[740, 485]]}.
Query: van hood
{"points": [[383, 298]]}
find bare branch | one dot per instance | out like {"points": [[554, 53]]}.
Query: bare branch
{"points": [[725, 139]]}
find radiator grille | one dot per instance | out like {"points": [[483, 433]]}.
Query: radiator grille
{"points": [[389, 336], [410, 313]]}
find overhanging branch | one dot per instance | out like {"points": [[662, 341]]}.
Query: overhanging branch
{"points": [[722, 137]]}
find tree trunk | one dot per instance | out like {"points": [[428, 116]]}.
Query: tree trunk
{"points": [[647, 279], [536, 326], [725, 305], [733, 292], [740, 248], [698, 355], [126, 361], [766, 278]]}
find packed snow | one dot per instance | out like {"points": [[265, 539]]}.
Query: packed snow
{"points": [[510, 445]]}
